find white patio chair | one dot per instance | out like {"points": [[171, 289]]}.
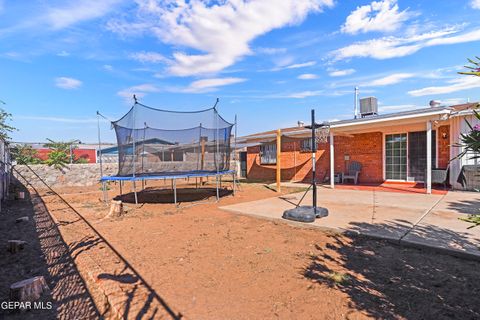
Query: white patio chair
{"points": [[354, 169]]}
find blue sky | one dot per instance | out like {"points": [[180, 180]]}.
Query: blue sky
{"points": [[269, 61]]}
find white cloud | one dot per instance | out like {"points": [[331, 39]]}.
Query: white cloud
{"points": [[139, 91], [78, 11], [63, 53], [393, 47], [107, 67], [304, 94], [67, 83], [307, 76], [383, 16], [341, 73], [205, 85], [388, 80], [454, 85], [221, 31], [271, 50], [148, 57], [475, 4], [453, 101], [301, 65]]}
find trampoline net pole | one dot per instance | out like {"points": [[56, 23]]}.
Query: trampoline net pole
{"points": [[175, 190]]}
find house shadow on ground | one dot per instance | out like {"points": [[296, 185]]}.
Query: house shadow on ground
{"points": [[389, 281]]}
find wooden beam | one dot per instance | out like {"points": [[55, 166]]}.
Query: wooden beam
{"points": [[279, 164]]}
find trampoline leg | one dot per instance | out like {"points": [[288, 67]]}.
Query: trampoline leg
{"points": [[174, 182], [121, 191], [105, 194], [135, 192], [143, 184], [217, 189], [233, 186]]}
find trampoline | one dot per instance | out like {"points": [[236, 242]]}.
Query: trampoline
{"points": [[157, 144]]}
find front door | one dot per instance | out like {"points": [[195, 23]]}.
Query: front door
{"points": [[417, 155]]}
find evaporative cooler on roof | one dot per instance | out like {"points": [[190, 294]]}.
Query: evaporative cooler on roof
{"points": [[368, 107]]}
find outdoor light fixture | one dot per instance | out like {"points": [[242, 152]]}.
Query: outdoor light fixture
{"points": [[444, 135], [310, 213]]}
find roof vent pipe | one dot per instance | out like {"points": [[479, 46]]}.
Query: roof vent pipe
{"points": [[434, 103], [355, 111], [300, 123]]}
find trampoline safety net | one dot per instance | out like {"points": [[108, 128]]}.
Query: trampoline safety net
{"points": [[159, 142]]}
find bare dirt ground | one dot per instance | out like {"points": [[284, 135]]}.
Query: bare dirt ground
{"points": [[199, 262]]}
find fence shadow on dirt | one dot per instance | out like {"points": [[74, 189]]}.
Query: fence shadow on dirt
{"points": [[131, 299], [46, 254], [388, 281]]}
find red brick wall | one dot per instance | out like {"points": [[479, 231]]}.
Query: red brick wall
{"points": [[296, 165], [443, 151]]}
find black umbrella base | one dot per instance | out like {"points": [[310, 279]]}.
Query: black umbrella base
{"points": [[305, 213]]}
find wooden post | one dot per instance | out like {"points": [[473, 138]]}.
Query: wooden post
{"points": [[332, 161], [116, 208], [29, 289], [279, 164]]}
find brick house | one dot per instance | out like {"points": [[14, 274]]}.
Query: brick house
{"points": [[390, 147]]}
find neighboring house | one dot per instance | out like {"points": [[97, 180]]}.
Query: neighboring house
{"points": [[82, 150], [390, 147]]}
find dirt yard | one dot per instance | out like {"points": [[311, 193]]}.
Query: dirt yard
{"points": [[199, 262]]}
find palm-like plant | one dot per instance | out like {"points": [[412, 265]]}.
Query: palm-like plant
{"points": [[470, 142], [474, 68], [59, 155]]}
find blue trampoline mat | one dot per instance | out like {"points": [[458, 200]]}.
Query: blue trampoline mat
{"points": [[167, 175]]}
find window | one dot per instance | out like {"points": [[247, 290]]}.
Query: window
{"points": [[268, 153], [171, 155], [396, 156], [306, 144]]}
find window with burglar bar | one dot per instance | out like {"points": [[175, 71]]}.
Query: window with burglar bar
{"points": [[306, 144], [268, 153]]}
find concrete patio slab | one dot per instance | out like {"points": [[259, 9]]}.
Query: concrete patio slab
{"points": [[430, 220]]}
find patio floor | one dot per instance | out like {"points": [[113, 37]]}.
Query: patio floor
{"points": [[413, 217]]}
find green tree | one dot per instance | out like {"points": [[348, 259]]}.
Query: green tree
{"points": [[5, 129], [60, 153], [25, 154]]}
